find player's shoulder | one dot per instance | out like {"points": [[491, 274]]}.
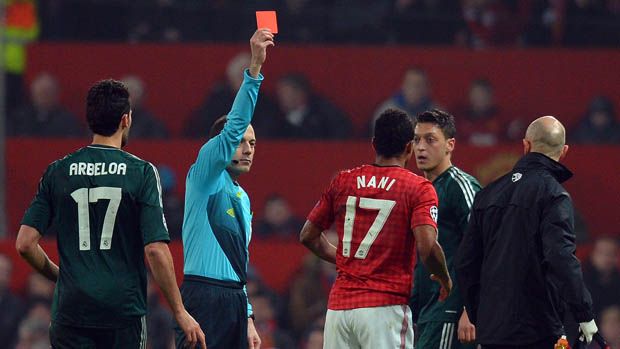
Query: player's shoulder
{"points": [[64, 161], [459, 178]]}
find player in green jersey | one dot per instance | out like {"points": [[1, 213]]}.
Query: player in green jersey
{"points": [[442, 324], [105, 206]]}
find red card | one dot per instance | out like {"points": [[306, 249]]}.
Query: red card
{"points": [[267, 19]]}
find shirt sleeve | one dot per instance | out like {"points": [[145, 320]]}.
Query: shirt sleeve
{"points": [[468, 264], [217, 153], [40, 212], [563, 267], [322, 215], [152, 221], [425, 206]]}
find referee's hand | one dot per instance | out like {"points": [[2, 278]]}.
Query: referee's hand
{"points": [[191, 328]]}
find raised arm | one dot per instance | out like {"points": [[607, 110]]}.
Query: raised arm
{"points": [[217, 153]]}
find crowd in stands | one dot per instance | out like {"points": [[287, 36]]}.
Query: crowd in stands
{"points": [[292, 319], [474, 23], [297, 112]]}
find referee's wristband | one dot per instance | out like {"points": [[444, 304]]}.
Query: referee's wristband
{"points": [[252, 316]]}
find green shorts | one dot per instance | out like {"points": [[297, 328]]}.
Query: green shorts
{"points": [[439, 335], [69, 337]]}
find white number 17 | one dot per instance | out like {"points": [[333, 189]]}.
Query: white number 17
{"points": [[85, 196], [383, 206]]}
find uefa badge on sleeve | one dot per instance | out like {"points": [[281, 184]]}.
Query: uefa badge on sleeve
{"points": [[434, 213]]}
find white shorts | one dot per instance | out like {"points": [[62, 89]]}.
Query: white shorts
{"points": [[387, 327]]}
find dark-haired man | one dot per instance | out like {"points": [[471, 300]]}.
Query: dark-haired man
{"points": [[382, 212], [441, 325], [105, 206], [217, 224]]}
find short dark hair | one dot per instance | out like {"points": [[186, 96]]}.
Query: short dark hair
{"points": [[106, 103], [393, 130], [217, 126], [297, 81], [444, 120]]}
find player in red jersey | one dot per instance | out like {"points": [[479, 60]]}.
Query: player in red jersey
{"points": [[382, 212]]}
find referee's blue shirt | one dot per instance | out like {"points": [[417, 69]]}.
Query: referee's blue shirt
{"points": [[217, 223]]}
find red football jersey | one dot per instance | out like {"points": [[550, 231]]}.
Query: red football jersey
{"points": [[375, 209]]}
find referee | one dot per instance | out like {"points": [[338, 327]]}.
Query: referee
{"points": [[217, 221]]}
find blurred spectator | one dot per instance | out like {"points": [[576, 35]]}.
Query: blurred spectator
{"points": [[592, 23], [306, 115], [358, 21], [266, 322], [34, 328], [495, 22], [602, 276], [9, 303], [143, 123], [480, 121], [303, 20], [159, 321], [155, 21], [414, 96], [39, 290], [599, 125], [44, 116], [610, 326], [19, 28], [545, 25], [220, 99], [309, 292], [173, 204], [278, 220], [313, 339], [409, 20]]}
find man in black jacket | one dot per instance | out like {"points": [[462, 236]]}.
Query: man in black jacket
{"points": [[516, 264]]}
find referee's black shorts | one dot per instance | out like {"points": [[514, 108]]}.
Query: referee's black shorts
{"points": [[220, 307]]}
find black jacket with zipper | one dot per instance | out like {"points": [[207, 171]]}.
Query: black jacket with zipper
{"points": [[516, 265]]}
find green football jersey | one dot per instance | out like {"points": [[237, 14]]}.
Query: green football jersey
{"points": [[455, 190], [104, 204]]}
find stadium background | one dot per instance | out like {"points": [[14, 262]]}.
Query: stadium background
{"points": [[541, 57]]}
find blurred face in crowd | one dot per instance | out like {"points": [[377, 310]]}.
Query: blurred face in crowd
{"points": [[5, 272], [605, 255], [277, 211], [135, 86], [600, 118], [44, 92], [235, 68], [610, 325], [480, 98], [290, 97], [244, 155], [431, 148], [415, 87], [315, 339], [39, 286]]}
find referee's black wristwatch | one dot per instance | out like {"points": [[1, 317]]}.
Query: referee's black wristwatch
{"points": [[252, 317]]}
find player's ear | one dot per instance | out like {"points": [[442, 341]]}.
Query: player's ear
{"points": [[450, 144], [564, 152], [527, 146], [125, 120]]}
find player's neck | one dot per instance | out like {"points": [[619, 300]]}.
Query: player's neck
{"points": [[438, 171], [383, 161], [112, 141]]}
